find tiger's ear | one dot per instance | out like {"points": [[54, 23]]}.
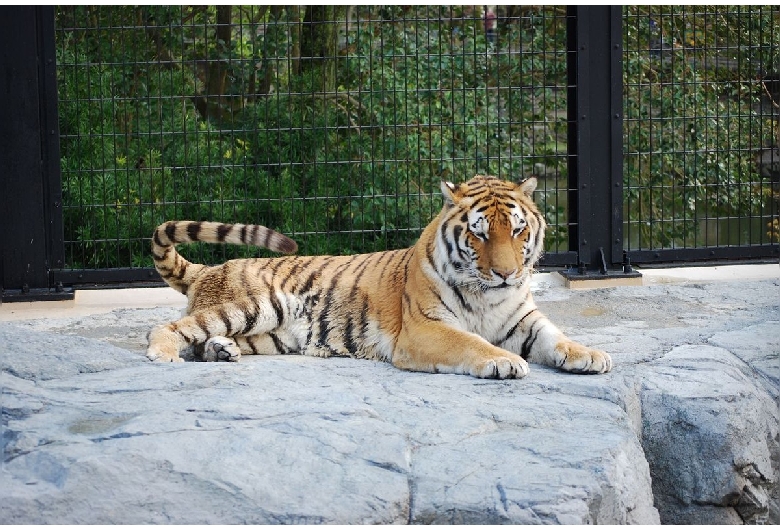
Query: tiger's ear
{"points": [[448, 191], [528, 186]]}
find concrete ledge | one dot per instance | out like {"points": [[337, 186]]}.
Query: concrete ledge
{"points": [[717, 273], [595, 282], [91, 302], [650, 276]]}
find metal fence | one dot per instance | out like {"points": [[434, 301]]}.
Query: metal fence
{"points": [[653, 130], [333, 125], [701, 130]]}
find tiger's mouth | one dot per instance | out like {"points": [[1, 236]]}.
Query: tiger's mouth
{"points": [[479, 281], [509, 282], [487, 283]]}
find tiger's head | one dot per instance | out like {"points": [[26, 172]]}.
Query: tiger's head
{"points": [[491, 231]]}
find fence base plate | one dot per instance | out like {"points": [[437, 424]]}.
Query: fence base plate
{"points": [[573, 279], [36, 295]]}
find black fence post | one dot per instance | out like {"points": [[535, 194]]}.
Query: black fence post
{"points": [[31, 241], [595, 108]]}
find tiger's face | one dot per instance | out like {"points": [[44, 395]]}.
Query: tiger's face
{"points": [[492, 231]]}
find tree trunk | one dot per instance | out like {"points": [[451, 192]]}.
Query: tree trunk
{"points": [[218, 68], [319, 44], [294, 14], [212, 104]]}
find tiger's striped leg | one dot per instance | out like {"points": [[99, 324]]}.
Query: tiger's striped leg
{"points": [[230, 349], [219, 322], [436, 347], [166, 341], [538, 340]]}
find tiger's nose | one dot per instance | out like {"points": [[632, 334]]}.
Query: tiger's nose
{"points": [[504, 274]]}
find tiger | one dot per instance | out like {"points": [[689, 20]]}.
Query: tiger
{"points": [[458, 301]]}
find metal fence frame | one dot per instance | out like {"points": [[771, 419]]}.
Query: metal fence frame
{"points": [[31, 242]]}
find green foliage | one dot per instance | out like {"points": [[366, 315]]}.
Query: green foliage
{"points": [[691, 124], [165, 116], [354, 170]]}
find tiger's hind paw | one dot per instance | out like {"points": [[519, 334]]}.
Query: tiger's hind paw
{"points": [[221, 349]]}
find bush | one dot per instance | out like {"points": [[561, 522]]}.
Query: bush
{"points": [[691, 122], [355, 170], [164, 117]]}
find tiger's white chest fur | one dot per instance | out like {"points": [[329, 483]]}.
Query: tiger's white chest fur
{"points": [[488, 313]]}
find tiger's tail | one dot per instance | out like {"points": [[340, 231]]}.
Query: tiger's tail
{"points": [[180, 273]]}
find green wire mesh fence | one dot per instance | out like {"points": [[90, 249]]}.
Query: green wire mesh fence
{"points": [[335, 124], [331, 124], [701, 127]]}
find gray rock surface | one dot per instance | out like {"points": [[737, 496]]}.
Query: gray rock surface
{"points": [[704, 403], [93, 433]]}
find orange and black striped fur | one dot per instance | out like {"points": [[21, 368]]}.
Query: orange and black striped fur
{"points": [[458, 301]]}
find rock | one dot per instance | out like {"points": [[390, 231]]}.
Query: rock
{"points": [[52, 356], [758, 347], [711, 436], [305, 440], [92, 433]]}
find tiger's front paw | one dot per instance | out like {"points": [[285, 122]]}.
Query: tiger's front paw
{"points": [[221, 349], [509, 366], [579, 359]]}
